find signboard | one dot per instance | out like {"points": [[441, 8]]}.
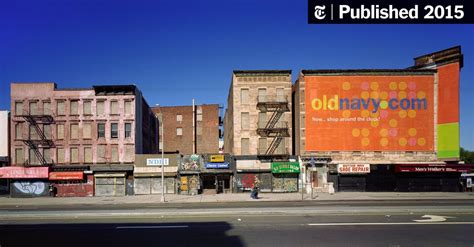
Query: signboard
{"points": [[24, 172], [369, 113], [157, 162], [285, 167], [223, 165], [433, 168], [217, 158], [66, 175], [353, 168]]}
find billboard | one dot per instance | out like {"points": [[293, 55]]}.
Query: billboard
{"points": [[369, 113]]}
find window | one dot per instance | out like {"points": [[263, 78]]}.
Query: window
{"points": [[87, 131], [114, 130], [33, 160], [74, 131], [128, 107], [87, 154], [60, 155], [128, 130], [101, 154], [114, 154], [129, 152], [280, 95], [245, 146], [262, 145], [60, 108], [47, 108], [87, 108], [100, 107], [18, 108], [199, 116], [262, 95], [74, 155], [179, 131], [101, 130], [33, 108], [74, 108], [262, 119], [60, 131], [179, 118], [18, 131], [114, 107], [47, 155], [47, 131], [33, 134], [245, 120], [19, 156], [244, 96]]}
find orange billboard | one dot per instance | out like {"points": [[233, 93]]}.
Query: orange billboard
{"points": [[369, 113]]}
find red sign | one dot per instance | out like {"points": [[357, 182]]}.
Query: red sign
{"points": [[23, 172], [434, 168], [66, 175]]}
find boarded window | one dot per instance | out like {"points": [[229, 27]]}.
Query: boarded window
{"points": [[100, 107], [74, 155], [179, 117], [114, 130], [18, 131], [19, 156], [74, 110], [88, 154], [262, 145], [60, 155], [262, 95], [47, 155], [47, 131], [128, 107], [179, 131], [245, 146], [61, 109], [87, 130], [101, 130], [33, 108], [60, 131], [245, 120], [262, 119], [129, 153], [32, 158], [33, 133], [19, 108], [114, 107], [199, 117], [74, 131], [280, 95], [114, 157], [87, 108], [47, 108], [244, 96], [101, 158], [128, 130]]}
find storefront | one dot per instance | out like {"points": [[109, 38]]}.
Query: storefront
{"points": [[189, 171], [72, 183], [27, 181], [430, 177], [352, 177], [250, 171], [285, 176], [147, 174], [217, 174], [112, 180]]}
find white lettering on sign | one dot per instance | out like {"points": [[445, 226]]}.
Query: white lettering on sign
{"points": [[157, 162], [353, 168]]}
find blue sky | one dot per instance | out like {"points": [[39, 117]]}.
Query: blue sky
{"points": [[178, 50]]}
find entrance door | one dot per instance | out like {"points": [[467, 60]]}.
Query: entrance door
{"points": [[220, 185], [314, 179]]}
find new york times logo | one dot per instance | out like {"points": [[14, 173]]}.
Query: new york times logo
{"points": [[319, 12]]}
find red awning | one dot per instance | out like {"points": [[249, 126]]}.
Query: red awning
{"points": [[463, 168], [66, 175], [23, 172]]}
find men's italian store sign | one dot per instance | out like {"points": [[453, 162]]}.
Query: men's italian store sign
{"points": [[353, 168], [285, 167]]}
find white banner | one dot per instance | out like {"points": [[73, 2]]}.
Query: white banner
{"points": [[157, 162], [353, 168]]}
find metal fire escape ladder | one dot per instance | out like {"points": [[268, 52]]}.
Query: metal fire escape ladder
{"points": [[42, 141], [274, 145], [271, 128], [274, 119]]}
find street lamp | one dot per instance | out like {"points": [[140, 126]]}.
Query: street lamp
{"points": [[162, 154]]}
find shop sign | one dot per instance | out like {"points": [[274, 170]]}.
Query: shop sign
{"points": [[223, 165], [66, 175], [157, 162], [217, 158], [285, 167], [24, 172], [353, 168], [434, 168]]}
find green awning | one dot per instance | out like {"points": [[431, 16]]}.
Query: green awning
{"points": [[285, 167]]}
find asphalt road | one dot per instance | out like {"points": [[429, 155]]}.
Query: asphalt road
{"points": [[277, 224]]}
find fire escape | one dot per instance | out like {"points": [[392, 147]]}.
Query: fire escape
{"points": [[41, 142], [273, 128]]}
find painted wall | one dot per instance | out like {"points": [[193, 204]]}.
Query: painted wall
{"points": [[370, 113], [76, 189], [29, 188]]}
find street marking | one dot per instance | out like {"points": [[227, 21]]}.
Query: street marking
{"points": [[433, 218], [150, 227], [390, 223]]}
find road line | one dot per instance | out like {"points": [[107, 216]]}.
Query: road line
{"points": [[150, 227], [390, 223]]}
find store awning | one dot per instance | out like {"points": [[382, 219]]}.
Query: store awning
{"points": [[109, 175], [434, 168]]}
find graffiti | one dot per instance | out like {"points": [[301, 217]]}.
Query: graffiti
{"points": [[285, 183], [32, 188], [194, 183], [248, 180]]}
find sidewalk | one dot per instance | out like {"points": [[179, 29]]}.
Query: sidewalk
{"points": [[237, 197]]}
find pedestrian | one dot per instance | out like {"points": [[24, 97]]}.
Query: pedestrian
{"points": [[52, 190]]}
